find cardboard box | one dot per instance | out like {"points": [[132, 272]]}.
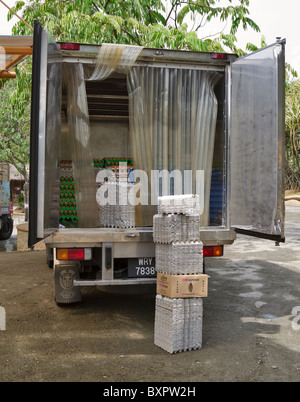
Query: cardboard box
{"points": [[181, 286]]}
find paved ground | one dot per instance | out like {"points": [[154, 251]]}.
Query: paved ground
{"points": [[251, 322], [10, 244]]}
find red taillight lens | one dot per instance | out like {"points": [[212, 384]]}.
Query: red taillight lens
{"points": [[218, 56], [70, 254], [70, 46], [212, 251], [76, 254]]}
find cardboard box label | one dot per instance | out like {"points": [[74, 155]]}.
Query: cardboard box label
{"points": [[182, 286]]}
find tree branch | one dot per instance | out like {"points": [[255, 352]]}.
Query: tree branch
{"points": [[106, 4], [218, 33], [175, 18], [199, 25], [169, 15], [150, 16], [136, 40], [96, 7]]}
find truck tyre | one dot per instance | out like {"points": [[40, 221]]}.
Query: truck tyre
{"points": [[49, 257], [65, 291], [6, 229]]}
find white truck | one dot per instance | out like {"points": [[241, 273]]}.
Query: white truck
{"points": [[176, 122], [6, 220]]}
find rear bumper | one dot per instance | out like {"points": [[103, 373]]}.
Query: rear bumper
{"points": [[94, 237], [119, 243]]}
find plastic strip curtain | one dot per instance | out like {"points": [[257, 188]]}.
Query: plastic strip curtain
{"points": [[79, 140], [173, 114], [114, 58], [111, 58]]}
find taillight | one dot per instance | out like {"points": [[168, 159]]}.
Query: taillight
{"points": [[218, 56], [74, 254], [11, 208], [70, 46], [212, 251]]}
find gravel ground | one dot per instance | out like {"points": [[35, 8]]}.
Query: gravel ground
{"points": [[251, 322]]}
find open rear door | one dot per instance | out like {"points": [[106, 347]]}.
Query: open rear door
{"points": [[257, 143], [44, 136]]}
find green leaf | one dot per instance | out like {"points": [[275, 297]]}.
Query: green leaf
{"points": [[182, 14]]}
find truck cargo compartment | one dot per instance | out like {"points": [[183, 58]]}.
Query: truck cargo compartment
{"points": [[163, 137], [115, 126]]}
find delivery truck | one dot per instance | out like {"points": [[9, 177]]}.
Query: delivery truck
{"points": [[6, 213], [114, 126]]}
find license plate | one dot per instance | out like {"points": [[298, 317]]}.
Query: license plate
{"points": [[141, 267], [4, 211]]}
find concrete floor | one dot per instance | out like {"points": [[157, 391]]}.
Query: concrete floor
{"points": [[250, 333]]}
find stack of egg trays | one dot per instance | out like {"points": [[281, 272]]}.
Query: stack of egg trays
{"points": [[179, 258], [168, 228], [186, 204], [178, 250], [178, 324], [114, 214]]}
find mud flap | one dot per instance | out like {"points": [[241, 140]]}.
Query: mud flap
{"points": [[65, 291]]}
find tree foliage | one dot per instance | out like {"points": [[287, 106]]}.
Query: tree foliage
{"points": [[15, 119], [172, 24], [292, 127]]}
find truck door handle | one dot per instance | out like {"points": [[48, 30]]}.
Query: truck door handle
{"points": [[131, 235]]}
